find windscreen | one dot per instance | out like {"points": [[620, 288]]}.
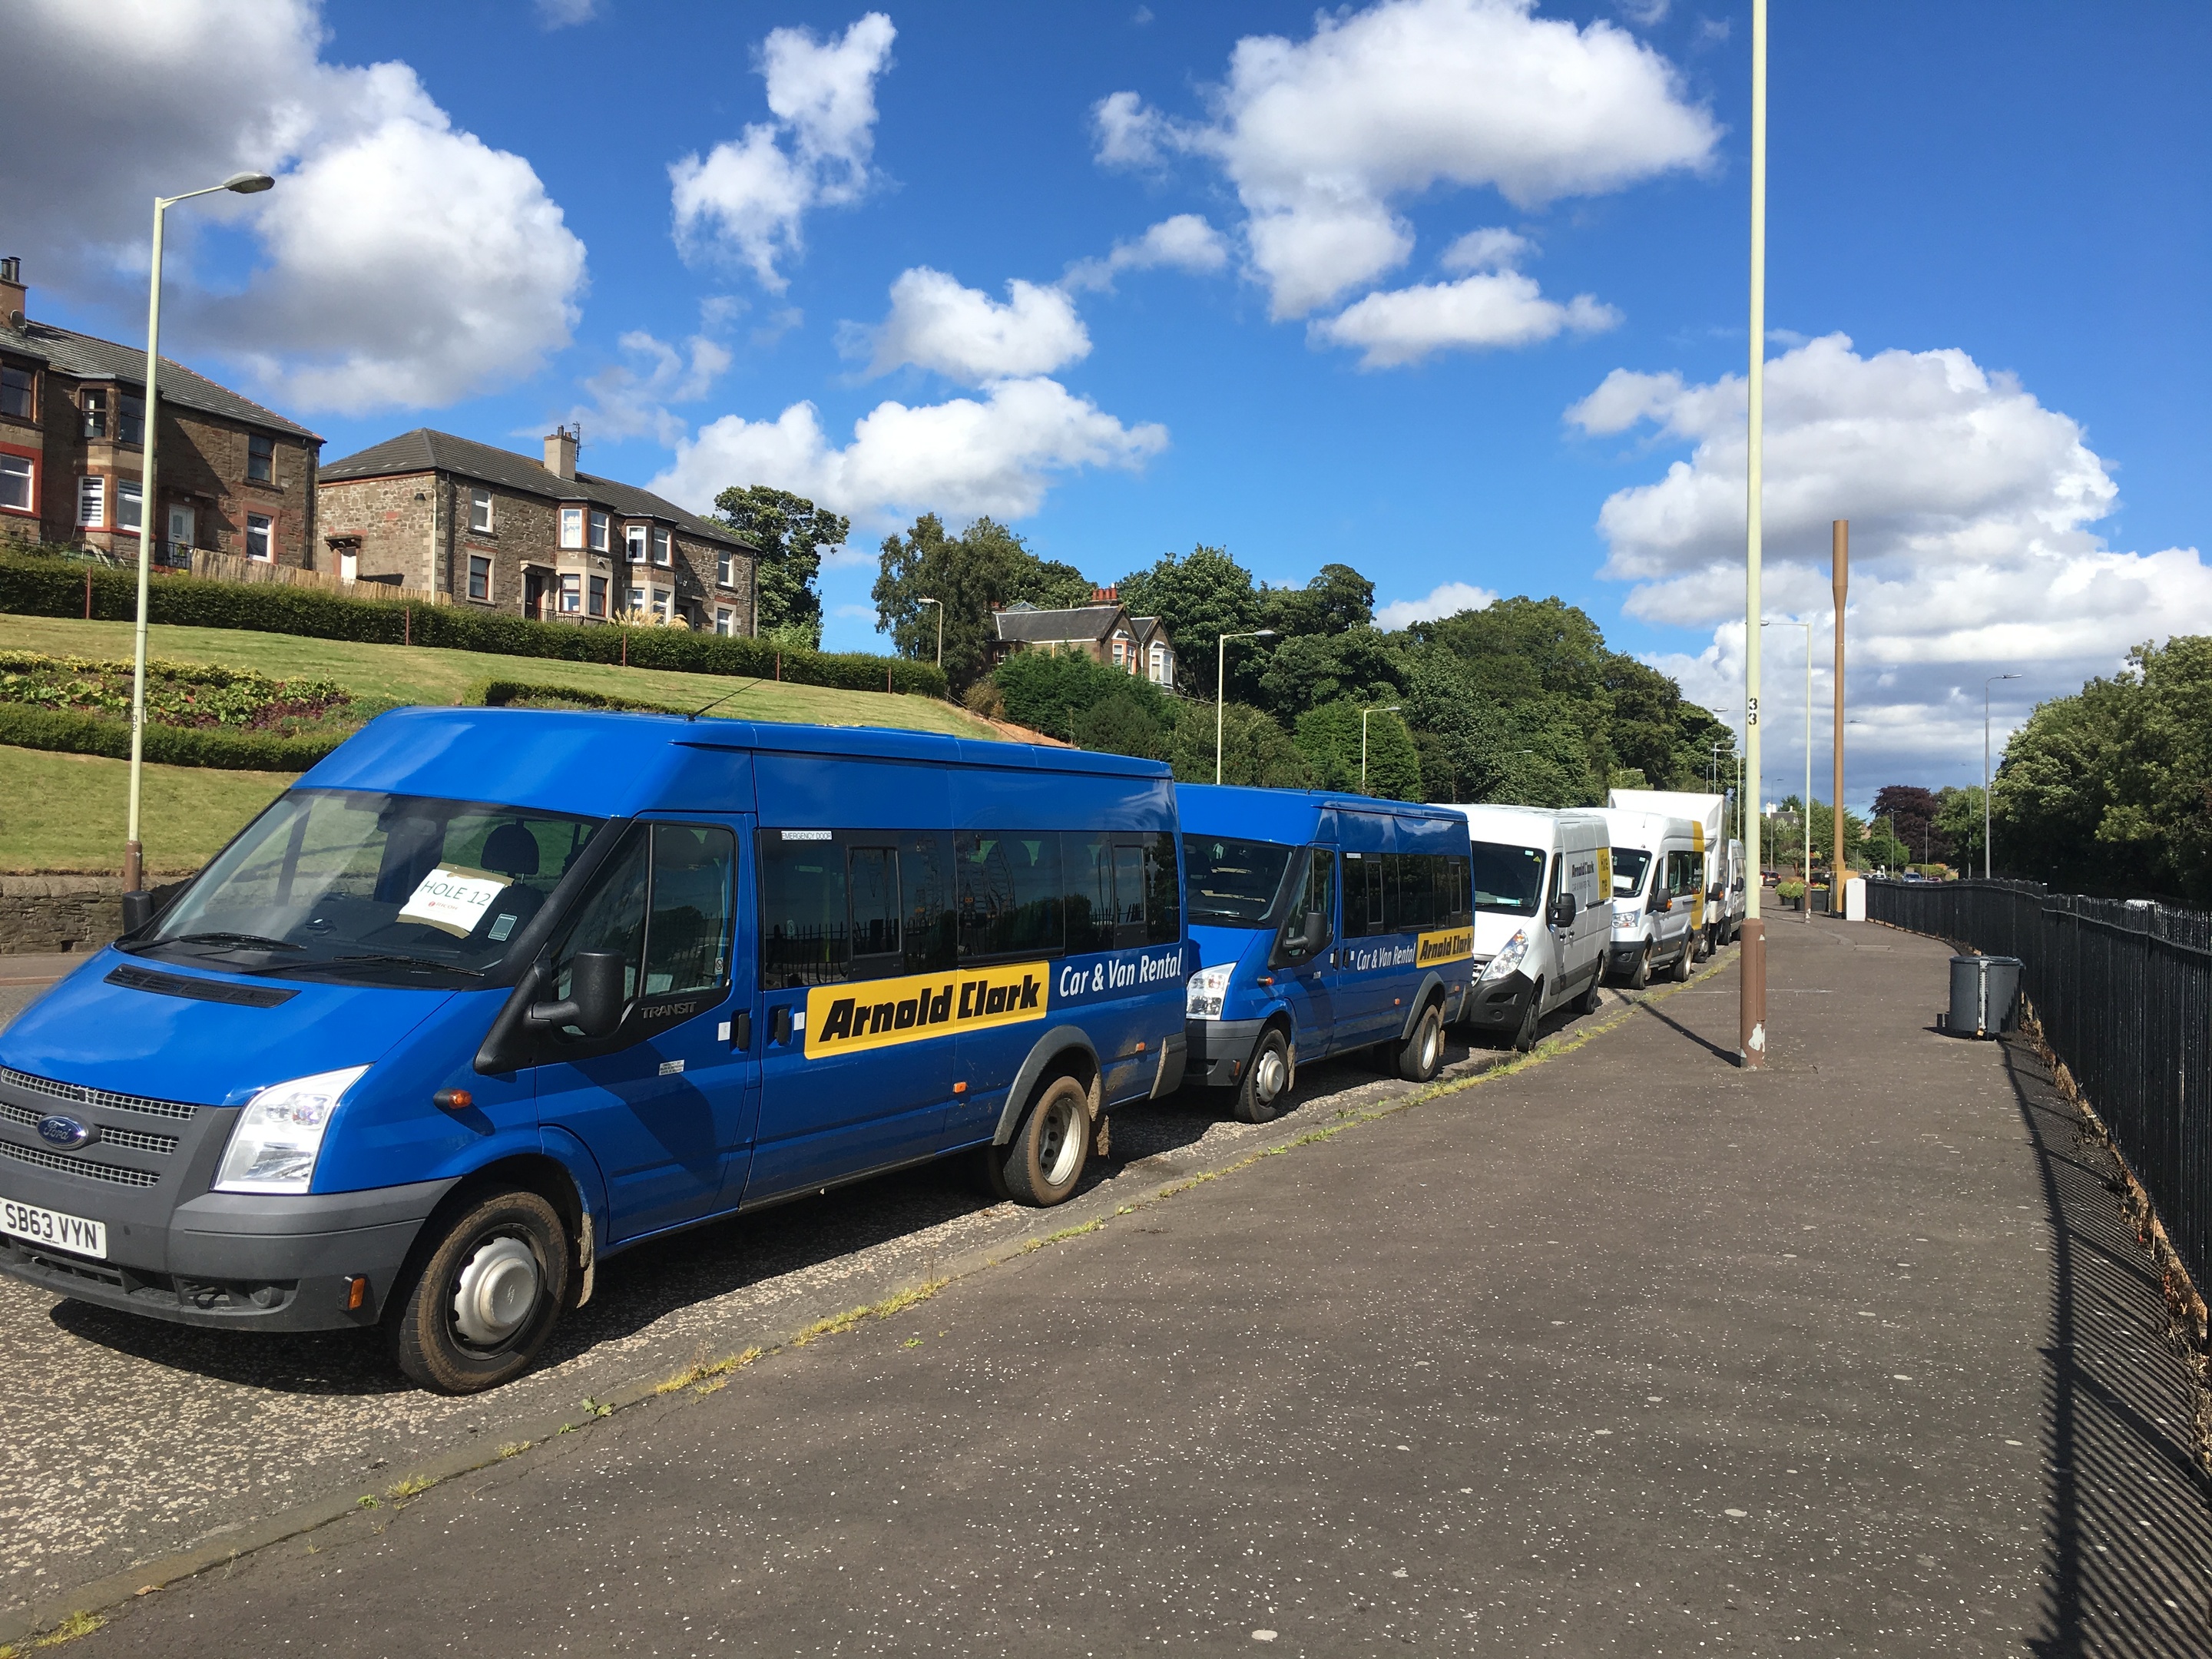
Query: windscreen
{"points": [[1508, 881], [1629, 864], [350, 884], [1233, 884]]}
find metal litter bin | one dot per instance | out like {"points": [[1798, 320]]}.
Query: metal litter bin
{"points": [[1985, 995]]}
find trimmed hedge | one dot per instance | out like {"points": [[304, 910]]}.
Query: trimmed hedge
{"points": [[500, 694], [166, 745], [40, 586]]}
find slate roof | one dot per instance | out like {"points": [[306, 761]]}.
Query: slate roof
{"points": [[425, 451], [1022, 623], [92, 359]]}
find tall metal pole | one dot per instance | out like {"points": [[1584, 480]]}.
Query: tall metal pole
{"points": [[1805, 862], [1752, 1013], [1220, 697], [940, 604], [150, 525], [1840, 579]]}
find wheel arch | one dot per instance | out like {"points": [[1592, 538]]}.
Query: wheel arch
{"points": [[1066, 1050], [1432, 990]]}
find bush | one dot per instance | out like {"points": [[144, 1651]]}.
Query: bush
{"points": [[1049, 691], [36, 585], [229, 750], [177, 694], [1789, 891]]}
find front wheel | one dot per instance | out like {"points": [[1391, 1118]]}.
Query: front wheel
{"points": [[1640, 975], [1594, 998], [1266, 1079], [1683, 962], [487, 1298], [1421, 1056], [1531, 1020], [1045, 1159]]}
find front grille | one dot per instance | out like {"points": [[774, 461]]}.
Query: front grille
{"points": [[78, 1095], [77, 1166], [143, 1140]]}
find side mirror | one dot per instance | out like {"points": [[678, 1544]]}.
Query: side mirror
{"points": [[138, 912], [594, 1006], [1661, 904], [1562, 910], [1315, 934]]}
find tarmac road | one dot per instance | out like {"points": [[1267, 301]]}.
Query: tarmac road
{"points": [[1629, 1352]]}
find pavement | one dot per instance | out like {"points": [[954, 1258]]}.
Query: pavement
{"points": [[24, 978], [1628, 1351]]}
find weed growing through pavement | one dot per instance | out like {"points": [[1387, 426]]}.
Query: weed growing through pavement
{"points": [[76, 1625], [412, 1485], [512, 1447], [369, 1500]]}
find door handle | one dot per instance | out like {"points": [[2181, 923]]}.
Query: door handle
{"points": [[779, 1023], [741, 1032]]}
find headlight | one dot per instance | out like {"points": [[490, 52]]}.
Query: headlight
{"points": [[273, 1148], [1509, 958], [1203, 991]]}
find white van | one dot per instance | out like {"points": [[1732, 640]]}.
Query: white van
{"points": [[1543, 886], [1725, 900], [1658, 894]]}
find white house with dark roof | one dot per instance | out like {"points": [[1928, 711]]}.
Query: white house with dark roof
{"points": [[488, 527], [1103, 630]]}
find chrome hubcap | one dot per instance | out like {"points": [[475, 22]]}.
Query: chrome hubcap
{"points": [[1267, 1076], [1430, 1039], [1059, 1142], [497, 1291]]}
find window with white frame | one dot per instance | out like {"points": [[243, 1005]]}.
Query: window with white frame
{"points": [[726, 620], [480, 577], [92, 500], [661, 603], [572, 526], [129, 503], [572, 595], [15, 482], [636, 601], [634, 542], [95, 404], [598, 533], [725, 569], [1120, 651], [480, 511], [258, 538], [661, 554], [1159, 664]]}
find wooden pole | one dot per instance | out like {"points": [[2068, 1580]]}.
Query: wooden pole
{"points": [[1840, 579]]}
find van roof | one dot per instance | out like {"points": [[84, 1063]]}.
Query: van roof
{"points": [[611, 765], [1291, 809], [1643, 828]]}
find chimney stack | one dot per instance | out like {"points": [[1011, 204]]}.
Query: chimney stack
{"points": [[560, 453], [14, 298], [1103, 596]]}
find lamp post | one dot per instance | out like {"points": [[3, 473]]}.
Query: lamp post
{"points": [[1751, 1014], [1986, 685], [1379, 709], [940, 604], [1805, 856], [150, 522], [1221, 686]]}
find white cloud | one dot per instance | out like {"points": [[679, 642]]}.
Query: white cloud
{"points": [[965, 335], [749, 197], [629, 398], [1645, 14], [1185, 242], [565, 14], [1321, 137], [404, 263], [1448, 600], [1970, 504], [1493, 249], [995, 455], [1488, 310]]}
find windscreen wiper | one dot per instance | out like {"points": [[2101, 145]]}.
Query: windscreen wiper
{"points": [[376, 959], [256, 941]]}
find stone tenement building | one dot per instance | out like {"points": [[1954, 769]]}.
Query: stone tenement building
{"points": [[486, 526], [234, 476]]}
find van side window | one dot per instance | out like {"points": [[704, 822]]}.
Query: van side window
{"points": [[925, 885], [1317, 894], [1009, 894], [1163, 890], [804, 939], [687, 933], [611, 919], [1681, 874], [847, 904], [872, 879], [1363, 894], [1455, 903], [1412, 890], [1092, 914]]}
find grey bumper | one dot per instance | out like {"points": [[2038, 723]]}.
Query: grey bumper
{"points": [[1217, 1048], [1500, 1004], [233, 1258]]}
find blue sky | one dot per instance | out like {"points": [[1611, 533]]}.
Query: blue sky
{"points": [[2015, 201]]}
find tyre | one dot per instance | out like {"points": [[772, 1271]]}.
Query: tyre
{"points": [[1682, 963], [487, 1297], [1594, 998], [1045, 1159], [1640, 975], [1531, 1020], [1266, 1077], [1421, 1056]]}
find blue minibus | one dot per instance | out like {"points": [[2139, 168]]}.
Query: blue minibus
{"points": [[490, 994], [1321, 923]]}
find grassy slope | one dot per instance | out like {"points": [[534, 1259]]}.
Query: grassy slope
{"points": [[421, 674], [66, 812]]}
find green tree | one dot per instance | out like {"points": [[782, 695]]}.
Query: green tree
{"points": [[1123, 724], [1532, 749], [1958, 821], [1337, 598], [1051, 692], [1306, 671], [985, 567], [1200, 597], [1254, 749], [1329, 738], [790, 531]]}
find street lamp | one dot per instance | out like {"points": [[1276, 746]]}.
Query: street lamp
{"points": [[940, 604], [150, 521], [1986, 685], [1379, 709], [1221, 685]]}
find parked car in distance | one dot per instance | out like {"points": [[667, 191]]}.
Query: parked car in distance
{"points": [[1543, 915], [1658, 894], [491, 994], [1322, 923]]}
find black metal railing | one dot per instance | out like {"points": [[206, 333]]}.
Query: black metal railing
{"points": [[2123, 990]]}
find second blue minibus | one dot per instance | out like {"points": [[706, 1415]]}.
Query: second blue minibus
{"points": [[1322, 923], [490, 994]]}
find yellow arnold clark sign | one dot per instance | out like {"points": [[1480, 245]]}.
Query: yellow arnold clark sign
{"points": [[1604, 874], [875, 1014], [1449, 945]]}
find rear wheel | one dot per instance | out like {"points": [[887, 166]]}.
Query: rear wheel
{"points": [[1421, 1056], [1594, 998], [1532, 1019], [1042, 1163], [487, 1298], [1266, 1077]]}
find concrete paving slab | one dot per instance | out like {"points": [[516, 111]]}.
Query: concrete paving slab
{"points": [[1630, 1353]]}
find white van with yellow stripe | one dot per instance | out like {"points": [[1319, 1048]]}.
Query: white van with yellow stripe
{"points": [[1658, 895]]}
